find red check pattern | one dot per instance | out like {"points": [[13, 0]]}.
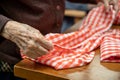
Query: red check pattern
{"points": [[110, 47], [77, 48]]}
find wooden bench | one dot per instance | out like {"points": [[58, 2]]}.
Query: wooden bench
{"points": [[77, 14]]}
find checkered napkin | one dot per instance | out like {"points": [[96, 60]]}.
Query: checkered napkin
{"points": [[77, 48], [110, 47]]}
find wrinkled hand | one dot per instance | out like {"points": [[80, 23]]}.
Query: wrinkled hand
{"points": [[111, 2], [28, 39]]}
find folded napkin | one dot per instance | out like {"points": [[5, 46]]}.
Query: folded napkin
{"points": [[110, 47]]}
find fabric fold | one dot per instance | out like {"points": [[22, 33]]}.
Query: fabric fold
{"points": [[110, 47]]}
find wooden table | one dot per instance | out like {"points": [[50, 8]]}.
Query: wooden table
{"points": [[94, 71]]}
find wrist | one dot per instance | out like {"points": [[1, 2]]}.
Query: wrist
{"points": [[5, 32]]}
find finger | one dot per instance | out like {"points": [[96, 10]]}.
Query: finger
{"points": [[31, 54], [34, 52], [106, 3], [99, 4], [41, 50], [115, 4], [36, 47], [116, 1], [20, 44], [44, 42], [116, 8]]}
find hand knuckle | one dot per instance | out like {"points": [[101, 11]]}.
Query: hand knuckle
{"points": [[30, 46]]}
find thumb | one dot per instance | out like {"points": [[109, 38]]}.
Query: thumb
{"points": [[106, 3]]}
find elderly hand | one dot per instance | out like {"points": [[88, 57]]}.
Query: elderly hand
{"points": [[28, 39], [111, 2]]}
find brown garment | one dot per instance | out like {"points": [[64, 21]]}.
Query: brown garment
{"points": [[45, 15]]}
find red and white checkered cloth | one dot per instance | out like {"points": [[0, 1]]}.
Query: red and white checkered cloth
{"points": [[77, 48], [110, 46]]}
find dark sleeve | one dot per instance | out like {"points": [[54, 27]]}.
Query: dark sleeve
{"points": [[84, 1], [3, 21]]}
